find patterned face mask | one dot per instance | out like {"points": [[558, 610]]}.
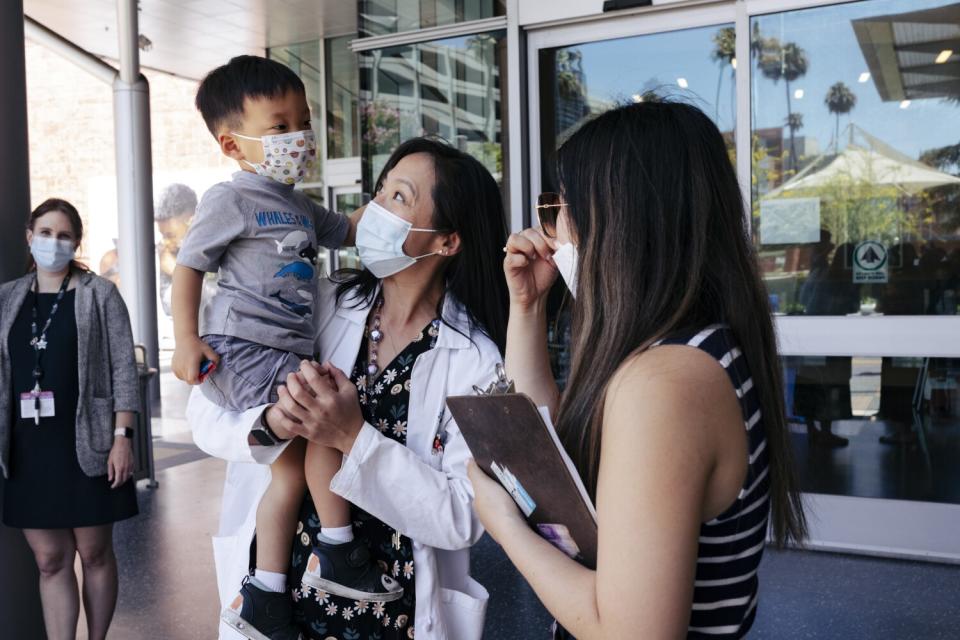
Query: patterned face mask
{"points": [[287, 157]]}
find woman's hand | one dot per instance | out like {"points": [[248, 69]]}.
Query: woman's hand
{"points": [[318, 403], [529, 267], [496, 509], [120, 462]]}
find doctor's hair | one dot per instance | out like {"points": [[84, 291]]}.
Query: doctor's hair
{"points": [[466, 200], [658, 217], [76, 225], [223, 90]]}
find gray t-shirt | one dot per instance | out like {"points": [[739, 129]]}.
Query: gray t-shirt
{"points": [[263, 238]]}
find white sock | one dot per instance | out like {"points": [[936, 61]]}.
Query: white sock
{"points": [[337, 535], [271, 580]]}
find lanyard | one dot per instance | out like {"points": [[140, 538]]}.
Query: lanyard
{"points": [[39, 340]]}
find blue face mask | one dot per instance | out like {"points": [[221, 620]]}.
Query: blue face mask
{"points": [[51, 254], [380, 238]]}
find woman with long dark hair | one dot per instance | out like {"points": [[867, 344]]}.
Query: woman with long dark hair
{"points": [[67, 408], [425, 318], [674, 411]]}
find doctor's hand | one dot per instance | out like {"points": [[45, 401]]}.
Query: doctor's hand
{"points": [[529, 267], [319, 403], [497, 511]]}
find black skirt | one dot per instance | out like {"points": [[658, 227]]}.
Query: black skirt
{"points": [[47, 489]]}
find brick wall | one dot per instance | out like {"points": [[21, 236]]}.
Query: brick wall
{"points": [[70, 119]]}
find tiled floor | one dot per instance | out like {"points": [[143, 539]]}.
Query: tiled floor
{"points": [[168, 589]]}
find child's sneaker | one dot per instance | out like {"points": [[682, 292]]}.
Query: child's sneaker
{"points": [[259, 614], [347, 570]]}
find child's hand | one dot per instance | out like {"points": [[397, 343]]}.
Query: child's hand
{"points": [[187, 356]]}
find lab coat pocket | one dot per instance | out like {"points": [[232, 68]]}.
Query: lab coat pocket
{"points": [[464, 611]]}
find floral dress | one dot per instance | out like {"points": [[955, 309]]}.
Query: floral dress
{"points": [[322, 616]]}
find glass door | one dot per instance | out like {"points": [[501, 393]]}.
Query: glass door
{"points": [[842, 122], [345, 200]]}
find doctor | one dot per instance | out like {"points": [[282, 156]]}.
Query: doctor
{"points": [[424, 320]]}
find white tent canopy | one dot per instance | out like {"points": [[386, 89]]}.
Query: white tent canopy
{"points": [[874, 163]]}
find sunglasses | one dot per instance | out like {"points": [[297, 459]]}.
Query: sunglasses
{"points": [[548, 208]]}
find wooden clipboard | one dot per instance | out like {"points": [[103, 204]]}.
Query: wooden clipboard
{"points": [[513, 443]]}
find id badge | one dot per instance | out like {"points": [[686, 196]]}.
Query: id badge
{"points": [[28, 405]]}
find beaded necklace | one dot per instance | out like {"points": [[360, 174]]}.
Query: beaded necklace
{"points": [[375, 336]]}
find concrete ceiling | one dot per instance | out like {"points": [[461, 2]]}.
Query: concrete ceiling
{"points": [[191, 37], [913, 55]]}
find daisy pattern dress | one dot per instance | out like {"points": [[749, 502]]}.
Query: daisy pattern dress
{"points": [[320, 615]]}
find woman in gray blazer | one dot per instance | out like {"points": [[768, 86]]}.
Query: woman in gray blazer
{"points": [[67, 403]]}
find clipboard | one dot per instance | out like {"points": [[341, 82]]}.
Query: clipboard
{"points": [[516, 444]]}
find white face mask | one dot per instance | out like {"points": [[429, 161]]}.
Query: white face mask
{"points": [[566, 260], [380, 238], [51, 254], [287, 157]]}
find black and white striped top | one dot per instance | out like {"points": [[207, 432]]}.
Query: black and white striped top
{"points": [[731, 545]]}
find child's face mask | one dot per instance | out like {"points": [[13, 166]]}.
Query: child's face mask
{"points": [[287, 157]]}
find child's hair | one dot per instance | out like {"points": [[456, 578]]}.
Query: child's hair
{"points": [[221, 93]]}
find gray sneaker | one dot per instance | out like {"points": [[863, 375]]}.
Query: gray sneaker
{"points": [[258, 614]]}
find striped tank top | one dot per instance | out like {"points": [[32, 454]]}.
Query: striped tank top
{"points": [[731, 545]]}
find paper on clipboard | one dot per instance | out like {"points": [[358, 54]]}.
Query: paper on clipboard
{"points": [[545, 415]]}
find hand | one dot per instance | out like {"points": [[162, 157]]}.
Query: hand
{"points": [[494, 506], [318, 403], [529, 267], [168, 259], [120, 462], [187, 356]]}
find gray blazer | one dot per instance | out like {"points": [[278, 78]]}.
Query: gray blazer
{"points": [[107, 368]]}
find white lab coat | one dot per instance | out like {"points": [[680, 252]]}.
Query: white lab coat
{"points": [[424, 495]]}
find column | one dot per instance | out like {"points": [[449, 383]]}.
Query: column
{"points": [[20, 605]]}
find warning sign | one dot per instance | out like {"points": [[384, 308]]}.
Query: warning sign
{"points": [[870, 262]]}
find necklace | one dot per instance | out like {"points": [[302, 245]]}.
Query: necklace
{"points": [[375, 335], [39, 339]]}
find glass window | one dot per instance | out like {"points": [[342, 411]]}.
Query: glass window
{"points": [[343, 90], [304, 59], [876, 427], [413, 90], [580, 81], [856, 157], [379, 17]]}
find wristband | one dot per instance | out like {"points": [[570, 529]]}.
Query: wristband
{"points": [[263, 435], [126, 432]]}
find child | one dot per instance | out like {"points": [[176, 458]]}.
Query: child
{"points": [[262, 237]]}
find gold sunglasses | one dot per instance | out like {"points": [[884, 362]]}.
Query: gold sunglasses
{"points": [[548, 208]]}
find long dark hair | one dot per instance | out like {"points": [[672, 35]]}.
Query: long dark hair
{"points": [[659, 220], [466, 200], [76, 224]]}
